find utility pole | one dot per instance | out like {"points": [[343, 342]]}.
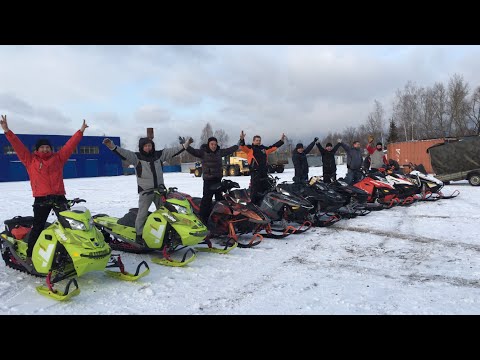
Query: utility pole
{"points": [[150, 133]]}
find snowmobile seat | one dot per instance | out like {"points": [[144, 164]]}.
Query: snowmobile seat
{"points": [[16, 222], [129, 218], [20, 232], [421, 168]]}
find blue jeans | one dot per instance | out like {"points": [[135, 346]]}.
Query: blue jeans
{"points": [[353, 176]]}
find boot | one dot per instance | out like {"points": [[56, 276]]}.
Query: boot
{"points": [[139, 240]]}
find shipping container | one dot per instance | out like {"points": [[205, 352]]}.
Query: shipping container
{"points": [[412, 151]]}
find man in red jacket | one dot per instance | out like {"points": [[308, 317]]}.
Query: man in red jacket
{"points": [[45, 169]]}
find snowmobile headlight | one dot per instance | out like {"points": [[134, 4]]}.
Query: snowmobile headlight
{"points": [[76, 225], [180, 209]]}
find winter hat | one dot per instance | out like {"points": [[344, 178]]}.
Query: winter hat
{"points": [[299, 146], [212, 138], [328, 144], [379, 143], [144, 141], [41, 142]]}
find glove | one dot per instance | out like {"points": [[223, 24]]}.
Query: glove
{"points": [[108, 143], [315, 140], [339, 140], [181, 140], [188, 142], [370, 138]]}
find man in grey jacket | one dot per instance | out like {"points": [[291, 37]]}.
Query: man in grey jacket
{"points": [[354, 162], [149, 170]]}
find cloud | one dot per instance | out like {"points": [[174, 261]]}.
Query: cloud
{"points": [[300, 90]]}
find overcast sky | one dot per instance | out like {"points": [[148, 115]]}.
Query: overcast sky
{"points": [[304, 91]]}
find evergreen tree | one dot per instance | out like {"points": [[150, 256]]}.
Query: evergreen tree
{"points": [[393, 132]]}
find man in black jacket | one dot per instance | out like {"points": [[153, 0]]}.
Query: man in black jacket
{"points": [[299, 159], [212, 170], [257, 155], [328, 162]]}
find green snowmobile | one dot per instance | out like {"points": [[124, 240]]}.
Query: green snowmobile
{"points": [[71, 246], [171, 228]]}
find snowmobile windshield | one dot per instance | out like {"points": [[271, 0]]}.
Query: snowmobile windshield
{"points": [[321, 186], [226, 185], [78, 209], [240, 195]]}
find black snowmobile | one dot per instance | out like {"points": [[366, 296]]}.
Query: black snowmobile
{"points": [[325, 201]]}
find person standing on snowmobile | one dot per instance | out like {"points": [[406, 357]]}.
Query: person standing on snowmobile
{"points": [[212, 170], [149, 170], [299, 159], [328, 162], [354, 162], [45, 170], [257, 156], [377, 158]]}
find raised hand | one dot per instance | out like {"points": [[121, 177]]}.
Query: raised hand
{"points": [[84, 126], [108, 143], [370, 138], [188, 142], [316, 139], [242, 135], [283, 137], [181, 140], [4, 123]]}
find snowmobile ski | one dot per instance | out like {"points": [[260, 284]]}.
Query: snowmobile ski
{"points": [[213, 249], [54, 294]]}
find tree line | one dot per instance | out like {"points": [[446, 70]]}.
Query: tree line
{"points": [[417, 113], [420, 113]]}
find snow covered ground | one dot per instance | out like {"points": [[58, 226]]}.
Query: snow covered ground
{"points": [[422, 259]]}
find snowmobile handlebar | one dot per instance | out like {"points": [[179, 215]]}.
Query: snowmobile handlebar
{"points": [[75, 201], [160, 190], [228, 185]]}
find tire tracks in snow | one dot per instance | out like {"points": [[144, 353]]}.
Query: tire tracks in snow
{"points": [[237, 296], [413, 238]]}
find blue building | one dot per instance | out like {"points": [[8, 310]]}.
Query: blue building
{"points": [[90, 158]]}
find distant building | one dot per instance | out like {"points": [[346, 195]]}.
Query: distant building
{"points": [[90, 158]]}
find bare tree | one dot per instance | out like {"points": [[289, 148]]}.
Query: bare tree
{"points": [[206, 133], [426, 128], [222, 138], [474, 114], [289, 145], [458, 107], [375, 125], [363, 132], [406, 110], [440, 115], [350, 134]]}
